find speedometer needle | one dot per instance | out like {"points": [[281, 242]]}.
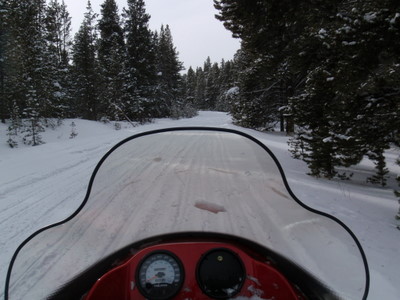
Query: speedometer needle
{"points": [[158, 275], [150, 279]]}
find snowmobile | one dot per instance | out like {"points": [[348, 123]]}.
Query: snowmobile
{"points": [[190, 213]]}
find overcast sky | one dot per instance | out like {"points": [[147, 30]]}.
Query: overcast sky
{"points": [[196, 32]]}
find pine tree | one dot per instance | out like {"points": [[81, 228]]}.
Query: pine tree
{"points": [[140, 66], [169, 79], [33, 125], [256, 104], [331, 66], [58, 24], [111, 54], [190, 84], [227, 87], [85, 68], [14, 126], [9, 64], [266, 36], [207, 65], [200, 88], [211, 90], [26, 84], [58, 29], [73, 131], [4, 34], [212, 86], [354, 79]]}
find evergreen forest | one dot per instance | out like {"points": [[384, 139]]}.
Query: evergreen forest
{"points": [[325, 72], [114, 68]]}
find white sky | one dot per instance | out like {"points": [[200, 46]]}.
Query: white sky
{"points": [[196, 32]]}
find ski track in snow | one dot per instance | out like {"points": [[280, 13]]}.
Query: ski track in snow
{"points": [[45, 184]]}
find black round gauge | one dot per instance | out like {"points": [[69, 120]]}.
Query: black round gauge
{"points": [[221, 274], [159, 275]]}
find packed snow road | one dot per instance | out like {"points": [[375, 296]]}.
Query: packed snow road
{"points": [[42, 185], [188, 181], [45, 184]]}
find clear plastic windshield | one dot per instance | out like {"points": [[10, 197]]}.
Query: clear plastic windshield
{"points": [[179, 181]]}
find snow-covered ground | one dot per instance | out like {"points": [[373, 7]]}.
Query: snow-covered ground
{"points": [[43, 184]]}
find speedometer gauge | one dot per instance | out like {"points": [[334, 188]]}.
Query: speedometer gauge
{"points": [[160, 275]]}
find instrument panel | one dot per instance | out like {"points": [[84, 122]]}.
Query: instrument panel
{"points": [[193, 270]]}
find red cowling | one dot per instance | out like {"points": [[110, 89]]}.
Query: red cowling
{"points": [[262, 280]]}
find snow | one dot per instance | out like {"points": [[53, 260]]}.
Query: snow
{"points": [[322, 34], [352, 43], [370, 17], [44, 184], [393, 21], [327, 140], [232, 91]]}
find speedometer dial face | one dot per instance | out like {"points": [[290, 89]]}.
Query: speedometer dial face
{"points": [[160, 275]]}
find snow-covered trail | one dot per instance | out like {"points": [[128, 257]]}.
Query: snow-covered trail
{"points": [[41, 185], [167, 183], [45, 184]]}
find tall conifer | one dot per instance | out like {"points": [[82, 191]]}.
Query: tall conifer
{"points": [[85, 68], [331, 66], [4, 34], [58, 30], [111, 54], [26, 84], [168, 77], [141, 74]]}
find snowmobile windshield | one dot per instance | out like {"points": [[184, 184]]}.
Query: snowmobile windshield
{"points": [[189, 180]]}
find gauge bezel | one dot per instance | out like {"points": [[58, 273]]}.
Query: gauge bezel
{"points": [[176, 286], [240, 264]]}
